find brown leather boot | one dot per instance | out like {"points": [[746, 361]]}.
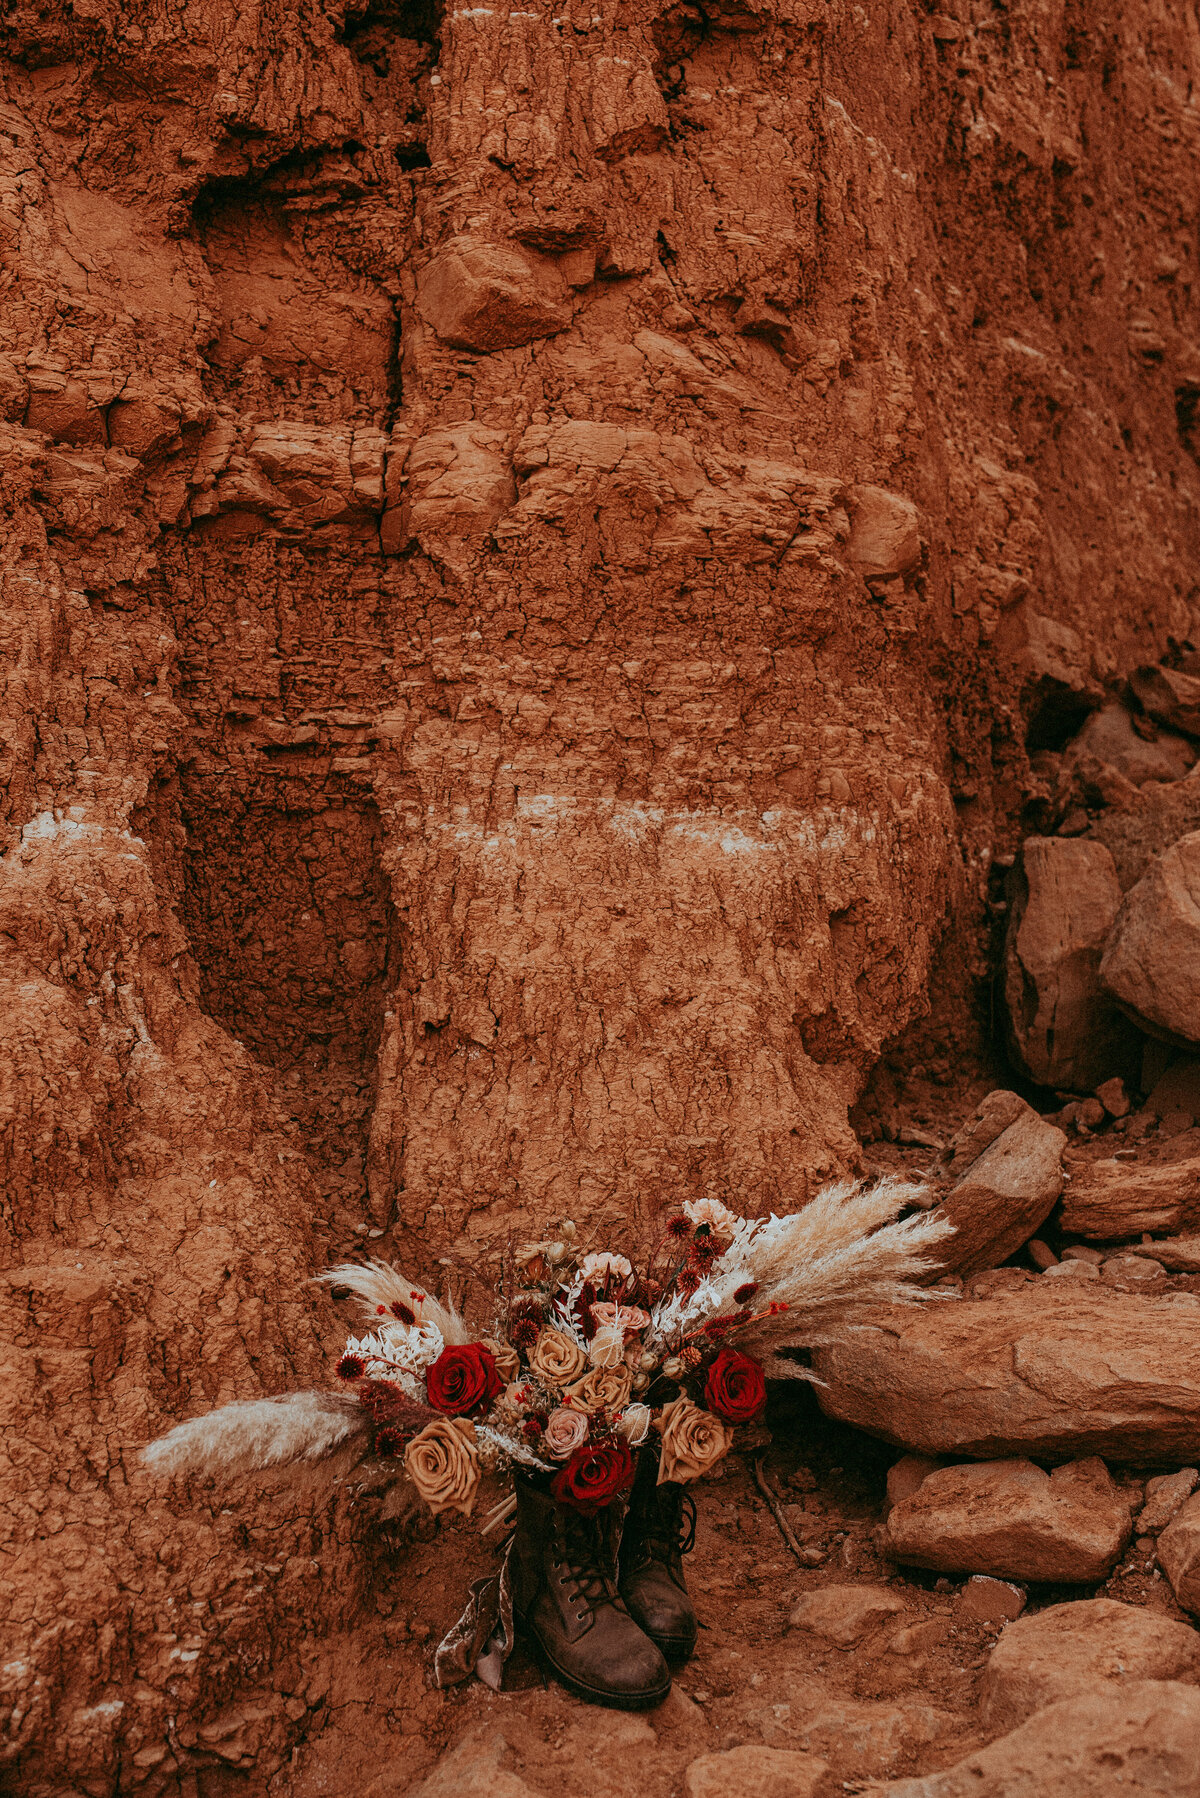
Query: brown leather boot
{"points": [[565, 1596], [654, 1542]]}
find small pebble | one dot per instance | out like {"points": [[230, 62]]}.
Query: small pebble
{"points": [[983, 1599]]}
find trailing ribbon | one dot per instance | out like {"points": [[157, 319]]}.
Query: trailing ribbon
{"points": [[482, 1639]]}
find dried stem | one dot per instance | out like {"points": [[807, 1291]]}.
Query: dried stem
{"points": [[768, 1492]]}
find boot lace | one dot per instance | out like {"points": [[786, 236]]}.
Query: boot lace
{"points": [[668, 1529], [584, 1571]]}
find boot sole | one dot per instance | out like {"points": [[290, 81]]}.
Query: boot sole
{"points": [[578, 1688]]}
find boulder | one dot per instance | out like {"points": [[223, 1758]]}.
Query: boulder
{"points": [[1073, 1270], [1005, 1173], [767, 1772], [1140, 1739], [1179, 1554], [1152, 960], [1111, 1199], [1114, 1096], [885, 536], [1056, 1368], [457, 481], [863, 1737], [490, 296], [1060, 686], [844, 1614], [1012, 1520], [1164, 1498], [1064, 1650], [1169, 697], [1179, 1254], [1064, 1027], [1109, 735]]}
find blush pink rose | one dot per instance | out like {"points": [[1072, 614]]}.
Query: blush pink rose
{"points": [[565, 1432]]}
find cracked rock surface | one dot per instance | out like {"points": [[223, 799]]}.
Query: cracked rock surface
{"points": [[544, 554]]}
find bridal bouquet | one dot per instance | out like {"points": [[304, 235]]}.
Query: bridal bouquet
{"points": [[586, 1356]]}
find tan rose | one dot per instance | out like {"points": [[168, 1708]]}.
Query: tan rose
{"points": [[604, 1389], [508, 1362], [607, 1347], [556, 1358], [442, 1464], [692, 1441], [629, 1317], [565, 1431]]}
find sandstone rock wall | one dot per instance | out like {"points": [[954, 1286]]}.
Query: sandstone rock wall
{"points": [[532, 542]]}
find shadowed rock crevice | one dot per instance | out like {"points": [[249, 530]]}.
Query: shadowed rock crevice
{"points": [[290, 920]]}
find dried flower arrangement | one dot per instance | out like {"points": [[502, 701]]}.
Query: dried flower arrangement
{"points": [[588, 1358]]}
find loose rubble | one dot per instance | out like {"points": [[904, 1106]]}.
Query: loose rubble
{"points": [[1011, 1519], [1005, 1171]]}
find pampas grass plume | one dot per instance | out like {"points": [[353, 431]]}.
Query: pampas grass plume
{"points": [[378, 1283], [257, 1433]]}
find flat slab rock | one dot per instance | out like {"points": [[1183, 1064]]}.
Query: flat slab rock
{"points": [[1112, 1199], [843, 1615], [1011, 1519], [1058, 1653], [1142, 1738], [1060, 1369]]}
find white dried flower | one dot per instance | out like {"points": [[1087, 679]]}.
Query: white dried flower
{"points": [[607, 1347], [719, 1218], [602, 1266], [414, 1346], [634, 1424]]}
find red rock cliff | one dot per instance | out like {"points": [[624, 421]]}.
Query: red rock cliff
{"points": [[534, 541]]}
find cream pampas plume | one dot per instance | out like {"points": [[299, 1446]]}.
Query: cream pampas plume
{"points": [[256, 1433], [846, 1250], [377, 1283]]}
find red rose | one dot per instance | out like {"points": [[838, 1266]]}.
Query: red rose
{"points": [[594, 1475], [463, 1379], [735, 1388]]}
